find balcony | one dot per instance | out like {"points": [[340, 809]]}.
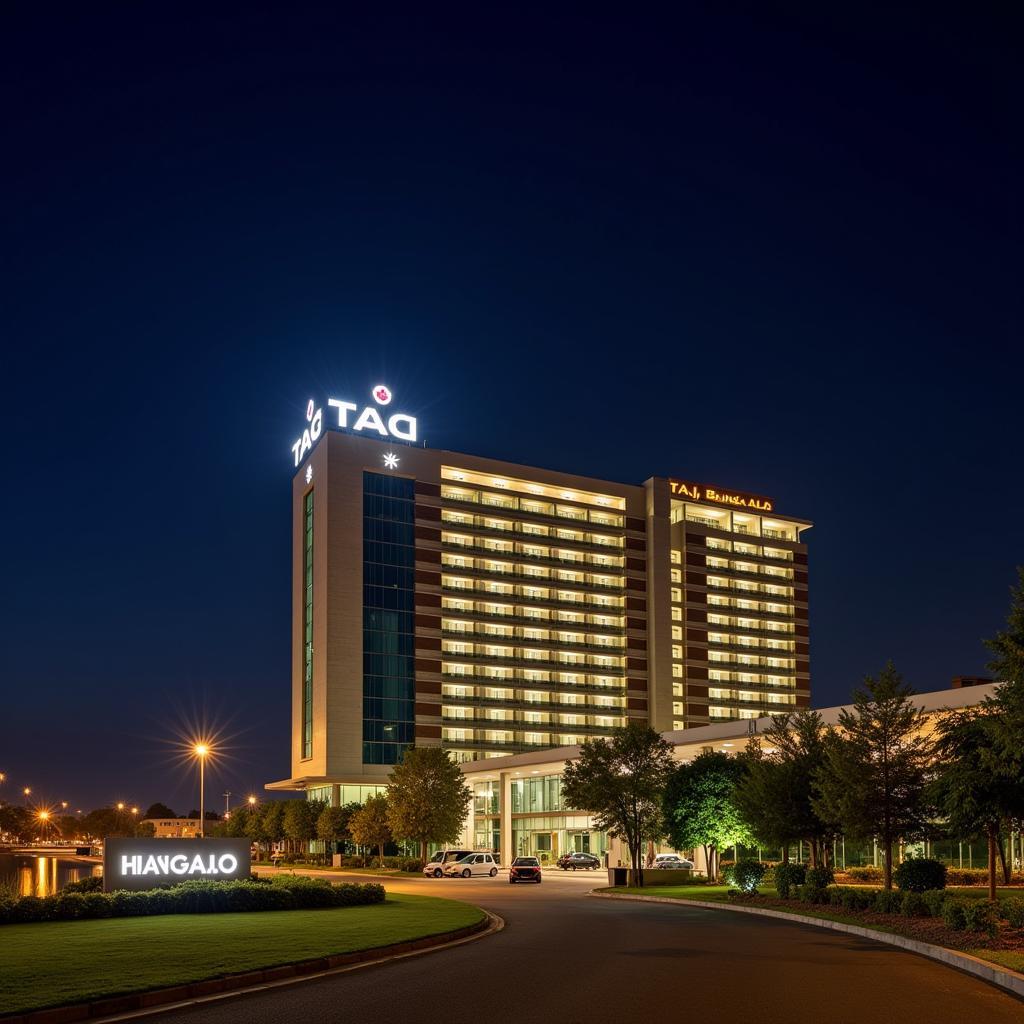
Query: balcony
{"points": [[758, 668], [544, 686], [746, 574], [509, 505], [541, 706], [530, 559], [522, 662], [588, 603], [516, 572], [611, 651], [517, 534], [527, 620]]}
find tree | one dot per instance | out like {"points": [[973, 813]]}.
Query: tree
{"points": [[876, 767], [700, 809], [428, 798], [1006, 756], [620, 781], [369, 825], [16, 823], [333, 824], [145, 830], [267, 825], [971, 797], [300, 818], [159, 810], [776, 796]]}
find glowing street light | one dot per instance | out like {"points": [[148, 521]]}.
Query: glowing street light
{"points": [[252, 801], [120, 805], [202, 752]]}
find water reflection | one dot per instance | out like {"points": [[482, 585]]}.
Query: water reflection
{"points": [[41, 876]]}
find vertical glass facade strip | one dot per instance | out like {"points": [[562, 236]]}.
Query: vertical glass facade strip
{"points": [[307, 625], [389, 560]]}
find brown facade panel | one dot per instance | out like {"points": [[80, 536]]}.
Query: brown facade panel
{"points": [[636, 684], [636, 664], [428, 576], [799, 557], [636, 565], [636, 583], [636, 703], [426, 600], [636, 604], [430, 512], [696, 579], [801, 629], [698, 540], [636, 544], [697, 692], [639, 525], [430, 555], [803, 702], [427, 488], [636, 623], [696, 672], [800, 595], [696, 710], [428, 621], [803, 665], [428, 643], [698, 654], [427, 732], [429, 533], [699, 636], [802, 649], [692, 558], [428, 709], [800, 578], [696, 615], [428, 685], [636, 643], [427, 665]]}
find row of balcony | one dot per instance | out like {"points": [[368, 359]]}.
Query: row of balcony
{"points": [[617, 650], [523, 661], [550, 602], [747, 574], [535, 559], [618, 689], [613, 545], [555, 706], [520, 571], [533, 620], [744, 531], [759, 556], [508, 503]]}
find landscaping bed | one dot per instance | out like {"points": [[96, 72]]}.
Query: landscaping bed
{"points": [[61, 962]]}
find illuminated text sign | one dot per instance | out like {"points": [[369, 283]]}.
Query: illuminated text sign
{"points": [[704, 492], [149, 863], [398, 425]]}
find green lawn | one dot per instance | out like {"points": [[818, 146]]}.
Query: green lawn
{"points": [[54, 963], [716, 893]]}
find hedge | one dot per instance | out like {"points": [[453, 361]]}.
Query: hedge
{"points": [[285, 892], [919, 874]]}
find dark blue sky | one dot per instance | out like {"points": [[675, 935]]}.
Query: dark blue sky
{"points": [[772, 251]]}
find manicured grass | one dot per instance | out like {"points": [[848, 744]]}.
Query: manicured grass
{"points": [[54, 963], [1010, 958], [715, 893]]}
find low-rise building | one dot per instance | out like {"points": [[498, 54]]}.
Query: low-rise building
{"points": [[173, 828]]}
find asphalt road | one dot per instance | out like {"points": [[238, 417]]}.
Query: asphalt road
{"points": [[565, 958]]}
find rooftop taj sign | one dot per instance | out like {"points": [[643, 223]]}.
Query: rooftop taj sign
{"points": [[704, 492], [398, 426]]}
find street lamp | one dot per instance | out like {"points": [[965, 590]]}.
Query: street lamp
{"points": [[202, 751], [252, 801], [44, 820]]}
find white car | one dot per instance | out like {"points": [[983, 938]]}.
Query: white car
{"points": [[473, 864], [441, 860], [671, 860]]}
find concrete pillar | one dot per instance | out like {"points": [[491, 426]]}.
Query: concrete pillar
{"points": [[505, 811], [336, 795]]}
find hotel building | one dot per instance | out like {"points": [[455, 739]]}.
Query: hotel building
{"points": [[496, 609]]}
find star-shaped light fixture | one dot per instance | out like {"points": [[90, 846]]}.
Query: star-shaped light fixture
{"points": [[391, 461], [309, 474]]}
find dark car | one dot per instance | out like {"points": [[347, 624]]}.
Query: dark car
{"points": [[524, 869], [579, 862]]}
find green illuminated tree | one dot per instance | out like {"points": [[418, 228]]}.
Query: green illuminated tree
{"points": [[700, 807], [428, 799], [876, 767], [1007, 706], [620, 781], [267, 825], [300, 820], [369, 825]]}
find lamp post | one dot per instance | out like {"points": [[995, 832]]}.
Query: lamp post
{"points": [[202, 750]]}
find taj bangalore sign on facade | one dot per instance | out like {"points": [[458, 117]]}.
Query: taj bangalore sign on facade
{"points": [[150, 863], [397, 425], [704, 492]]}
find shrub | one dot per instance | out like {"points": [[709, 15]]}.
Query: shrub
{"points": [[849, 898], [286, 892], [91, 884], [888, 902], [746, 875], [787, 877], [981, 916], [920, 874], [865, 874], [934, 900], [954, 913], [914, 905], [820, 877], [1012, 908]]}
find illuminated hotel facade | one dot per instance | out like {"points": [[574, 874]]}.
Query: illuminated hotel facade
{"points": [[496, 609]]}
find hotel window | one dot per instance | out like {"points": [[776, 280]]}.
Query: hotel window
{"points": [[677, 650], [307, 625], [677, 614], [677, 689], [677, 594], [534, 739], [677, 557], [677, 632], [677, 671]]}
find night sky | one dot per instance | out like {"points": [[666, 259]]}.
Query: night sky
{"points": [[770, 251]]}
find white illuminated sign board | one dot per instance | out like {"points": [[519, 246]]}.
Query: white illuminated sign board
{"points": [[397, 425], [150, 863]]}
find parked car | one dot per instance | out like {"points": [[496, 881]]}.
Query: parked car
{"points": [[579, 862], [524, 869], [441, 860], [671, 860], [472, 864]]}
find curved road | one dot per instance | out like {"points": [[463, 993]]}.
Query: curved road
{"points": [[565, 958]]}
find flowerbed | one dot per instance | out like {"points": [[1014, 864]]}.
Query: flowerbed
{"points": [[285, 892]]}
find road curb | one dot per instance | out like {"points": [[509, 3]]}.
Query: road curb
{"points": [[1009, 981], [142, 1004]]}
